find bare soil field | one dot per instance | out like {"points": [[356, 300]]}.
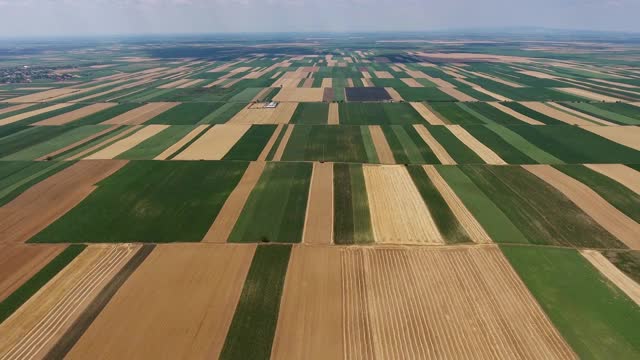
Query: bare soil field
{"points": [[36, 326], [486, 154], [385, 155], [258, 114], [105, 142], [427, 114], [436, 303], [225, 221], [434, 145], [214, 144], [611, 272], [127, 143], [75, 114], [28, 114], [469, 223], [299, 95], [45, 202], [624, 135], [310, 321], [19, 262], [610, 218], [177, 305], [318, 226], [398, 212], [588, 94], [182, 142], [283, 143], [334, 114], [620, 173], [141, 114], [515, 114]]}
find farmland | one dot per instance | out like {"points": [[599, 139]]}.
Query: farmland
{"points": [[374, 197]]}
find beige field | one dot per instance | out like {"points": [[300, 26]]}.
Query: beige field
{"points": [[105, 142], [611, 272], [334, 114], [395, 96], [191, 83], [438, 150], [369, 83], [140, 114], [74, 115], [491, 93], [411, 82], [307, 83], [77, 143], [177, 305], [621, 173], [277, 156], [588, 94], [300, 95], [398, 213], [515, 114], [383, 75], [127, 143], [610, 218], [14, 108], [555, 113], [38, 324], [486, 154], [174, 84], [385, 155], [310, 320], [272, 140], [43, 95], [327, 83], [624, 135], [258, 114], [215, 143], [43, 203], [365, 74], [318, 226], [456, 94], [427, 114], [19, 262], [350, 82], [225, 221], [496, 79], [28, 114], [582, 115], [230, 83], [182, 142], [462, 302]]}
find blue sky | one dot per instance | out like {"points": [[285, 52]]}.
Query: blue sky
{"points": [[91, 17]]}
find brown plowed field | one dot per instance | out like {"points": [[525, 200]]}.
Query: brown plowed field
{"points": [[624, 135], [434, 145], [182, 142], [310, 317], [621, 173], [228, 215], [36, 326], [214, 144], [385, 155], [178, 304], [427, 114], [19, 262], [611, 272], [610, 218], [398, 212], [486, 154], [127, 143], [456, 302], [45, 202], [318, 227], [28, 114], [141, 114]]}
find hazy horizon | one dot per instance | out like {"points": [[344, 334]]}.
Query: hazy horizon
{"points": [[26, 18]]}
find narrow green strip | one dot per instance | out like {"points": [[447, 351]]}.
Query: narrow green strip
{"points": [[372, 155], [524, 145]]}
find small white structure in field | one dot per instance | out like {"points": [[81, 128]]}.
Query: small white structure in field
{"points": [[271, 105]]}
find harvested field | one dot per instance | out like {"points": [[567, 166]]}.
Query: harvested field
{"points": [[515, 114], [318, 227], [299, 95], [486, 154], [556, 113], [394, 94], [127, 143], [277, 156], [623, 135], [611, 272], [258, 114], [411, 82], [456, 94], [174, 84], [215, 143], [13, 108], [383, 75], [334, 114], [181, 143], [327, 83], [438, 150], [620, 173], [36, 327], [610, 218], [228, 216], [310, 321], [77, 144], [426, 113], [45, 202], [385, 155], [28, 114], [588, 94], [472, 227], [272, 141], [141, 114], [19, 262], [583, 115], [457, 302], [398, 213], [43, 95], [102, 144], [210, 281]]}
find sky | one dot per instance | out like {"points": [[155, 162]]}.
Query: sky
{"points": [[105, 17]]}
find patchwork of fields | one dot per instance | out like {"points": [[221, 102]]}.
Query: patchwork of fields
{"points": [[381, 200]]}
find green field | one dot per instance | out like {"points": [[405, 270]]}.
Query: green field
{"points": [[149, 201], [156, 144], [310, 114], [276, 207], [326, 143], [407, 146], [378, 114], [252, 143], [352, 221], [185, 114]]}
